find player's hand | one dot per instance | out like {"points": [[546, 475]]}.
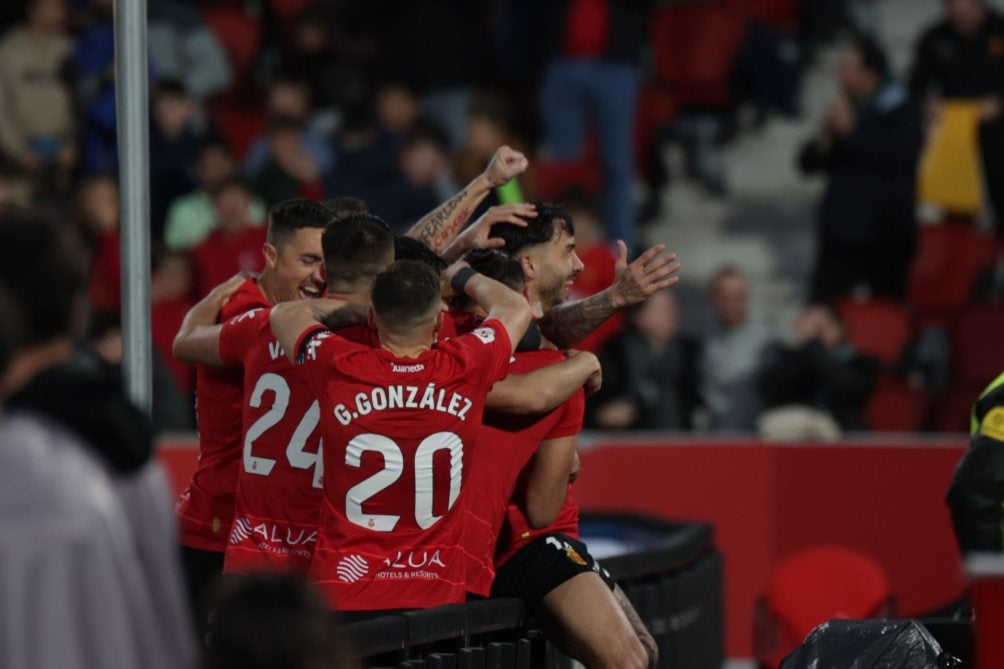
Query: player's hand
{"points": [[221, 293], [478, 235], [506, 164], [595, 380], [446, 279], [643, 277]]}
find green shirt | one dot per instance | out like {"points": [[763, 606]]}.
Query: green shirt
{"points": [[192, 217]]}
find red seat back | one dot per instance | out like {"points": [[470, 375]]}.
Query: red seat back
{"points": [[550, 179], [239, 33], [878, 328], [895, 407], [695, 46], [978, 345], [948, 259], [819, 584]]}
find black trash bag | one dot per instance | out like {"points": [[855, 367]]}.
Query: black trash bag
{"points": [[869, 644]]}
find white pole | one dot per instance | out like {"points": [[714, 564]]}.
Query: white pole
{"points": [[134, 180]]}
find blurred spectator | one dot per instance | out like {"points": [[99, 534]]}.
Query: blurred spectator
{"points": [[446, 60], [961, 58], [87, 520], [182, 47], [398, 108], [422, 182], [290, 171], [171, 410], [192, 217], [595, 77], [173, 149], [819, 369], [234, 246], [599, 261], [649, 372], [868, 146], [36, 108], [290, 98], [731, 355], [489, 123], [368, 155], [171, 291], [266, 621], [97, 213]]}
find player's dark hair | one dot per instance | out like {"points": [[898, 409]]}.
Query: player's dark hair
{"points": [[405, 293], [285, 218], [42, 266], [551, 219], [269, 620], [409, 248], [345, 205], [356, 249], [873, 56], [495, 265]]}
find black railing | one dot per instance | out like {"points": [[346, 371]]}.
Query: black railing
{"points": [[672, 574]]}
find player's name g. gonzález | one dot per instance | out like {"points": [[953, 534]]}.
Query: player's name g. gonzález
{"points": [[430, 398]]}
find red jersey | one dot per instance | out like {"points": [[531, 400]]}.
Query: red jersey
{"points": [[279, 480], [517, 531], [399, 438], [206, 507], [507, 444], [221, 255]]}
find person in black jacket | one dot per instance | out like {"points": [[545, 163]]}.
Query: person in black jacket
{"points": [[819, 370], [962, 58], [649, 370], [868, 146]]}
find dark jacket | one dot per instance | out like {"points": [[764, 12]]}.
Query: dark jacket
{"points": [[662, 383], [957, 66], [840, 382], [872, 173]]}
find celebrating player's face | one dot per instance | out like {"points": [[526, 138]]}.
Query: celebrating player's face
{"points": [[299, 266], [557, 266]]}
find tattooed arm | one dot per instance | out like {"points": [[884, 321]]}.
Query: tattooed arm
{"points": [[568, 324], [439, 227]]}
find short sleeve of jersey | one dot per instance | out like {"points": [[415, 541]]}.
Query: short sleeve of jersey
{"points": [[317, 349], [486, 349], [238, 334], [572, 412]]}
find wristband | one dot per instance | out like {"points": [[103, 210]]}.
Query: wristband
{"points": [[460, 279], [531, 340]]}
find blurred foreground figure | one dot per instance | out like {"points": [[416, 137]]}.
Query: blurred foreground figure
{"points": [[88, 573], [269, 621], [976, 497]]}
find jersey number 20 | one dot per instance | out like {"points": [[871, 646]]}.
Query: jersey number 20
{"points": [[393, 467]]}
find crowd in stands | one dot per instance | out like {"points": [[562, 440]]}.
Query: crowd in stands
{"points": [[255, 102]]}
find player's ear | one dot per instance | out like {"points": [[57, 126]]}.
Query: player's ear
{"points": [[529, 271], [271, 255], [439, 324]]}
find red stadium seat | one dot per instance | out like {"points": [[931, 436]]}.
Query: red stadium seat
{"points": [[895, 407], [239, 127], [978, 345], [948, 259], [813, 586], [695, 46], [879, 328], [955, 406], [239, 34]]}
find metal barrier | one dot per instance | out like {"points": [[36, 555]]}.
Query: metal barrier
{"points": [[673, 577]]}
